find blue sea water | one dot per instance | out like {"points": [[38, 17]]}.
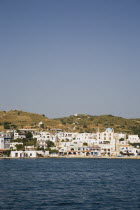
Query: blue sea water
{"points": [[69, 184]]}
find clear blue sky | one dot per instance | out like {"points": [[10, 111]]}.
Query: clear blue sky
{"points": [[61, 57]]}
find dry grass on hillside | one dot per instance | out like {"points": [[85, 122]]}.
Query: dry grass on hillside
{"points": [[80, 123]]}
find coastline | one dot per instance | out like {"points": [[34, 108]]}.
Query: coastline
{"points": [[79, 157]]}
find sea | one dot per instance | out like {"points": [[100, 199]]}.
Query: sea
{"points": [[70, 183]]}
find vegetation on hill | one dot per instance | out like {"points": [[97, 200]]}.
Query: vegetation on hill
{"points": [[89, 123], [18, 119], [76, 123]]}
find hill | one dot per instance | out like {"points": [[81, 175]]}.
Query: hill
{"points": [[89, 123], [15, 119]]}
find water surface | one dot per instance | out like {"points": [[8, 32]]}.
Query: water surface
{"points": [[69, 184]]}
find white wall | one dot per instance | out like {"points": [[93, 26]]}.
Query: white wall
{"points": [[1, 143], [133, 139], [21, 154]]}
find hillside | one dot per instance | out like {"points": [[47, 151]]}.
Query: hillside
{"points": [[19, 119], [88, 123], [76, 123]]}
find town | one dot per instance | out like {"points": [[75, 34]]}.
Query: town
{"points": [[32, 143]]}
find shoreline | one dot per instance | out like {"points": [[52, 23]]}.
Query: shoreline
{"points": [[88, 157]]}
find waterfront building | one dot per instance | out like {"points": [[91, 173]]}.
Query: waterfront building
{"points": [[105, 143], [129, 150], [105, 137], [28, 154]]}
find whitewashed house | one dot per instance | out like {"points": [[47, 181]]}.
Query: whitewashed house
{"points": [[127, 150], [44, 136], [28, 154], [89, 138], [4, 142], [40, 124], [105, 137], [23, 154], [133, 139], [19, 135], [64, 136]]}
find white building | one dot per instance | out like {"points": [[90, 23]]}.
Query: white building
{"points": [[1, 141], [80, 150], [89, 138], [129, 150], [108, 149], [19, 135], [28, 154], [40, 124], [105, 137], [133, 139], [4, 142], [22, 154], [42, 143], [64, 136], [121, 136], [44, 136]]}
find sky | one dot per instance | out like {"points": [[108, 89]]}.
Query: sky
{"points": [[62, 57]]}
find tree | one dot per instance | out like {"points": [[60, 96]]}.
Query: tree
{"points": [[40, 148], [14, 126], [136, 130], [136, 145], [85, 144], [30, 142], [17, 140], [53, 151], [42, 126], [84, 126], [19, 147], [121, 139], [7, 125], [50, 144], [29, 135]]}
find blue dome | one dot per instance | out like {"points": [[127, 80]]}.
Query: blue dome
{"points": [[109, 129]]}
